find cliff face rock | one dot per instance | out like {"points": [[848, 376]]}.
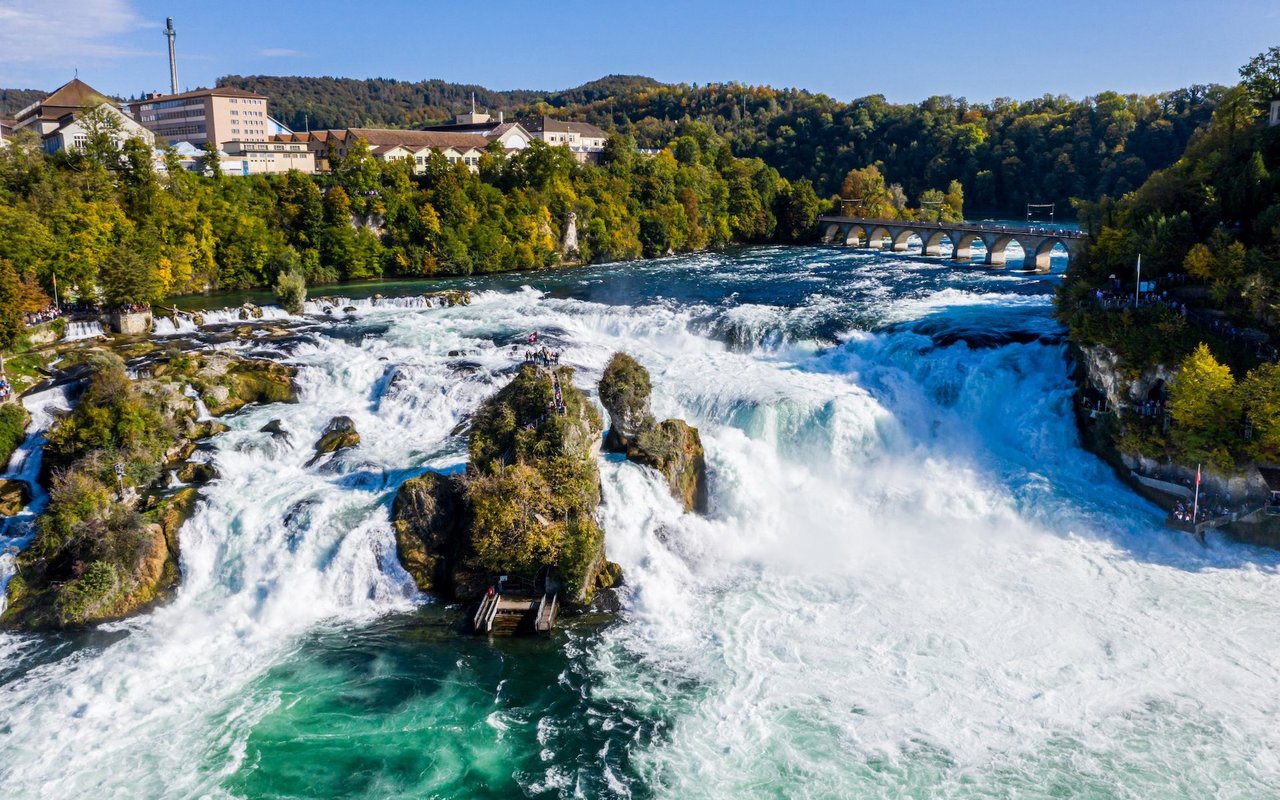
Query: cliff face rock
{"points": [[430, 517], [1121, 388], [672, 447], [624, 391], [339, 434], [1124, 390], [526, 507]]}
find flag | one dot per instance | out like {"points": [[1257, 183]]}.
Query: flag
{"points": [[1197, 474]]}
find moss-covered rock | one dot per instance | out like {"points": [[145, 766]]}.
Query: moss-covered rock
{"points": [[672, 447], [227, 382], [525, 508], [197, 473], [13, 427], [429, 516], [624, 392], [14, 496], [117, 567], [339, 434]]}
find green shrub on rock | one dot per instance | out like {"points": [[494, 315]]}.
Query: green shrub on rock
{"points": [[13, 426]]}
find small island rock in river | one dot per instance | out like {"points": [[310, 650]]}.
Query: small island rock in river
{"points": [[672, 446], [526, 506]]}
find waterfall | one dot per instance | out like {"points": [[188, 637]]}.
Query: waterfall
{"points": [[82, 330], [912, 581]]}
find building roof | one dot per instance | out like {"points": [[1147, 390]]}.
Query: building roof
{"points": [[388, 137], [217, 91], [68, 98], [545, 124]]}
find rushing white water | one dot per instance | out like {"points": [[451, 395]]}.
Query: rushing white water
{"points": [[24, 465], [911, 582], [82, 330]]}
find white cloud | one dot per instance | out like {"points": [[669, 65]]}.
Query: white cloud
{"points": [[278, 52], [31, 30]]}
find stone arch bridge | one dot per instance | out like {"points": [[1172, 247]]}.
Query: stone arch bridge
{"points": [[1037, 242]]}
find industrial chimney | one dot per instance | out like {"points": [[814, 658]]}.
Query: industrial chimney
{"points": [[173, 57]]}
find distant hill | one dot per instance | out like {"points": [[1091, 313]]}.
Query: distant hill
{"points": [[349, 102], [1006, 152], [14, 100]]}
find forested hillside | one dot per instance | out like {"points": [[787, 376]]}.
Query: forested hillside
{"points": [[14, 100], [109, 226], [1208, 231], [1006, 152]]}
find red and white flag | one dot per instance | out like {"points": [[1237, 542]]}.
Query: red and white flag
{"points": [[1197, 474]]}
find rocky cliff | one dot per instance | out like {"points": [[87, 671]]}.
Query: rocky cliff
{"points": [[526, 506], [672, 447], [1109, 410], [99, 554]]}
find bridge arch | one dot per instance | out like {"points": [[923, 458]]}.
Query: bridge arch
{"points": [[854, 236], [877, 235], [901, 237], [996, 245], [931, 242], [962, 245], [831, 234], [1038, 255]]}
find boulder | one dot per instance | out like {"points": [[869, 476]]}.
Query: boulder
{"points": [[276, 428], [339, 434], [14, 496], [674, 448], [624, 392], [197, 473], [429, 515]]}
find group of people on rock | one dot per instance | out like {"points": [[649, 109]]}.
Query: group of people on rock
{"points": [[544, 357], [6, 389], [47, 314]]}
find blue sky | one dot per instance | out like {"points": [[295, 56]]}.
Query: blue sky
{"points": [[845, 48]]}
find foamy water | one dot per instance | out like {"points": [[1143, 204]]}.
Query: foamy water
{"points": [[911, 582]]}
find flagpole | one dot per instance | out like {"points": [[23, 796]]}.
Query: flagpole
{"points": [[1195, 506]]}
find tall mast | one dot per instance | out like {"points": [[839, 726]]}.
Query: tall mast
{"points": [[169, 33]]}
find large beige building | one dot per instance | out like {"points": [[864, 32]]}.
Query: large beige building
{"points": [[57, 118], [219, 115], [388, 144], [583, 139]]}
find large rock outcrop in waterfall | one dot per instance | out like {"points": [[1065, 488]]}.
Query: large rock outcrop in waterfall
{"points": [[98, 555], [430, 518], [672, 446], [526, 506]]}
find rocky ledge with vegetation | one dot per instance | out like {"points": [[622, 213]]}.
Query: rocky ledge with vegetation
{"points": [[98, 555], [1190, 376], [526, 506], [672, 446]]}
